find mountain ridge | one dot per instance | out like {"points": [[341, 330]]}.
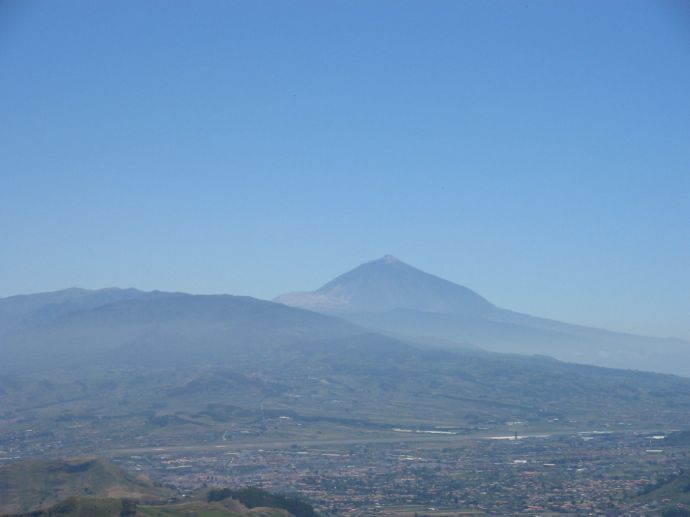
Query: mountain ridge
{"points": [[420, 306], [384, 296], [180, 367], [158, 329], [26, 310]]}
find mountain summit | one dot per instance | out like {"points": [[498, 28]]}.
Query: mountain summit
{"points": [[393, 297], [387, 284]]}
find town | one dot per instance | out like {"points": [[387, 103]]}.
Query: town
{"points": [[584, 473]]}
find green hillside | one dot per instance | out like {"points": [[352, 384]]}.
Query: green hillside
{"points": [[89, 506], [670, 492], [209, 509], [88, 487], [37, 484]]}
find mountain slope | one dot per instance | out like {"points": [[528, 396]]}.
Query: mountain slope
{"points": [[91, 486], [32, 484], [670, 492], [388, 284], [27, 310], [164, 330], [393, 297], [90, 506]]}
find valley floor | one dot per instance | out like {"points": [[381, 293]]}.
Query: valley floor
{"points": [[582, 473]]}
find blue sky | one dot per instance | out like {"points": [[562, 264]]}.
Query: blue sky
{"points": [[537, 152]]}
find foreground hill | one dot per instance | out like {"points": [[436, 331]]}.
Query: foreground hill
{"points": [[394, 297], [91, 486], [86, 506], [35, 484], [89, 506], [672, 494]]}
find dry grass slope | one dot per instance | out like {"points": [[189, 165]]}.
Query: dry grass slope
{"points": [[37, 484]]}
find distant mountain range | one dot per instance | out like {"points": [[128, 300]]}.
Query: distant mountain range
{"points": [[391, 296], [139, 364], [385, 296], [27, 310], [78, 327]]}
